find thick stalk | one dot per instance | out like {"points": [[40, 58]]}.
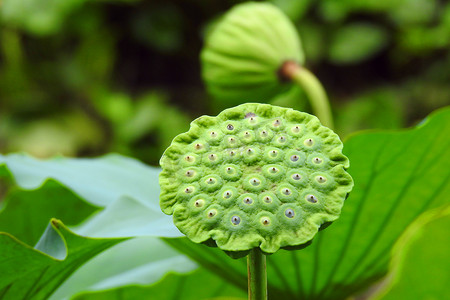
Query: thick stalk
{"points": [[257, 275], [313, 89]]}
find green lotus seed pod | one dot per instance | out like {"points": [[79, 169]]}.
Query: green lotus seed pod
{"points": [[268, 195], [244, 52]]}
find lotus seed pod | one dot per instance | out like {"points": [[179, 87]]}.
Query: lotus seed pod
{"points": [[266, 195], [244, 52]]}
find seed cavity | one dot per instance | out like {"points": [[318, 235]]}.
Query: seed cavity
{"points": [[231, 140], [210, 180], [189, 158], [308, 142], [190, 173], [267, 199], [213, 134], [212, 157], [295, 129], [281, 139], [311, 198], [286, 191], [321, 179], [250, 151], [273, 153], [212, 213], [294, 158], [265, 221], [248, 200], [273, 170], [227, 194], [235, 220], [255, 181], [189, 190], [230, 127], [198, 146], [276, 123], [296, 176], [232, 153], [289, 213], [317, 160], [199, 203]]}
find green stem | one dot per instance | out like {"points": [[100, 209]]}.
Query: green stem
{"points": [[257, 275], [313, 89]]}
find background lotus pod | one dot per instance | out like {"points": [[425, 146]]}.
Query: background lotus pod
{"points": [[243, 53], [256, 175]]}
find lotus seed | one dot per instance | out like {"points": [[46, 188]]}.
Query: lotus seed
{"points": [[248, 200], [190, 173], [295, 129], [281, 139], [296, 176], [199, 203], [287, 192], [249, 151], [198, 146], [264, 133], [212, 213], [265, 221], [227, 194], [289, 213], [294, 157], [212, 157], [231, 140], [311, 198], [273, 170], [230, 127], [189, 189], [273, 153], [189, 158], [308, 142], [255, 182], [213, 134], [235, 220], [317, 160], [276, 123], [211, 181], [232, 153], [267, 199], [321, 179]]}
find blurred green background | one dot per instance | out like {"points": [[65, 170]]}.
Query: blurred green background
{"points": [[87, 77]]}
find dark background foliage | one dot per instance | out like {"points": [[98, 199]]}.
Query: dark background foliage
{"points": [[87, 77]]}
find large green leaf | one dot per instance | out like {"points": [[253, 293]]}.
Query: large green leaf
{"points": [[420, 268], [196, 285], [126, 187], [398, 175], [28, 273], [104, 182]]}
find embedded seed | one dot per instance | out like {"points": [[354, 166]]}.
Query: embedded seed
{"points": [[227, 194], [321, 179], [287, 192], [255, 182], [276, 123], [199, 203], [213, 134], [296, 176], [264, 133], [265, 221], [232, 153], [231, 140], [235, 220], [229, 170], [198, 146], [311, 198], [249, 151], [189, 173], [189, 189], [273, 153], [230, 127], [267, 199], [189, 158], [212, 213], [295, 129], [317, 160], [281, 139], [289, 213], [273, 170], [248, 200], [212, 157], [211, 181], [294, 157], [308, 142]]}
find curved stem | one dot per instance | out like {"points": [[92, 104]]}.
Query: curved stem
{"points": [[314, 90], [257, 275]]}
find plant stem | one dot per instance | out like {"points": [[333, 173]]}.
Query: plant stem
{"points": [[314, 90], [257, 275]]}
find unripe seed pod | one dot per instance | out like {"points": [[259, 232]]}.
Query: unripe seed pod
{"points": [[265, 196], [252, 40]]}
